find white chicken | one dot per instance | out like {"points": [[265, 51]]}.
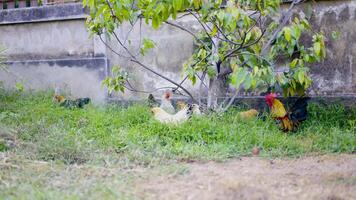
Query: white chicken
{"points": [[196, 109], [166, 118], [166, 103]]}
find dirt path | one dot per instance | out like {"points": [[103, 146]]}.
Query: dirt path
{"points": [[321, 177], [329, 177]]}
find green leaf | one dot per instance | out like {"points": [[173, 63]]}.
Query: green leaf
{"points": [[238, 77], [335, 35], [296, 32], [248, 37], [20, 87], [305, 24], [197, 3], [211, 71], [287, 34], [214, 31], [317, 48], [247, 82], [156, 22], [294, 63], [177, 4], [301, 77], [147, 44]]}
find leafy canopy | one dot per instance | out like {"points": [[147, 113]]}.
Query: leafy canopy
{"points": [[247, 37]]}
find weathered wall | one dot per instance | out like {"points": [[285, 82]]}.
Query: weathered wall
{"points": [[49, 47], [56, 39], [54, 48], [337, 74]]}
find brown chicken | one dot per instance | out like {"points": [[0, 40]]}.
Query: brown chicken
{"points": [[249, 114], [77, 103]]}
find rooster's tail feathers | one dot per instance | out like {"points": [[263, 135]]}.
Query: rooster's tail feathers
{"points": [[299, 112]]}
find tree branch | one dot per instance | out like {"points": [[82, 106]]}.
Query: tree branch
{"points": [[201, 86], [135, 60], [186, 30], [225, 39], [132, 89], [244, 47], [201, 23], [230, 102], [111, 49], [164, 77], [285, 18]]}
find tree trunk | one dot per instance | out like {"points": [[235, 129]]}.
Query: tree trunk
{"points": [[213, 92], [217, 88], [217, 84]]}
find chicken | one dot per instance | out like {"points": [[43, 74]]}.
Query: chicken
{"points": [[249, 114], [166, 118], [59, 98], [195, 107], [180, 105], [166, 103], [77, 103], [152, 102], [290, 120]]}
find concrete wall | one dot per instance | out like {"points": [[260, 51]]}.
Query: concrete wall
{"points": [[337, 74], [53, 48]]}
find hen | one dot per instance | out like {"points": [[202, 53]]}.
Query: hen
{"points": [[166, 103], [167, 118], [249, 114], [67, 103], [290, 120]]}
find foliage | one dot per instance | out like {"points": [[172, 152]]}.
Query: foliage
{"points": [[147, 45], [46, 131], [242, 39], [117, 81]]}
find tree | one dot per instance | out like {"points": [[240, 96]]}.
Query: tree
{"points": [[242, 43]]}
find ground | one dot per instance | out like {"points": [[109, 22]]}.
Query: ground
{"points": [[316, 177], [309, 177], [113, 152]]}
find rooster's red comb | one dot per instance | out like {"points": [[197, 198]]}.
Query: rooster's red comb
{"points": [[270, 97], [167, 94]]}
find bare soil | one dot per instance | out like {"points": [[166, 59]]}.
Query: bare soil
{"points": [[319, 177], [330, 177]]}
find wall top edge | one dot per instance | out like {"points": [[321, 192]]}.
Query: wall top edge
{"points": [[43, 14]]}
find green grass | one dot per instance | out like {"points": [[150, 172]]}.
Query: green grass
{"points": [[91, 153], [98, 134]]}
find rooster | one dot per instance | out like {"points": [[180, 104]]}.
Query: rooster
{"points": [[167, 118], [290, 120], [67, 103], [166, 103]]}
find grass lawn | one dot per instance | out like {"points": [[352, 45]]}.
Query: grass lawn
{"points": [[109, 135]]}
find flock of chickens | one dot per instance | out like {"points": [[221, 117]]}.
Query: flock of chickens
{"points": [[165, 112], [287, 120]]}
